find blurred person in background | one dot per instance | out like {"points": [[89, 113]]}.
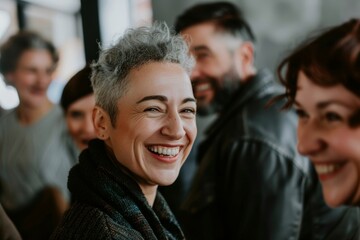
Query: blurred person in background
{"points": [[322, 80], [78, 101], [251, 182], [144, 119], [35, 149]]}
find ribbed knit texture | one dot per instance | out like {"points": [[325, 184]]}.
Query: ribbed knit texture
{"points": [[110, 205]]}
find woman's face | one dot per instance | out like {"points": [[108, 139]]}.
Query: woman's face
{"points": [[324, 135], [155, 126], [32, 77], [79, 120]]}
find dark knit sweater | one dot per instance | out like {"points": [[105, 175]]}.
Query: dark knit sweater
{"points": [[109, 204]]}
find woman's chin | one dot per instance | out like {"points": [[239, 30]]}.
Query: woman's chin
{"points": [[167, 179], [333, 203], [334, 200]]}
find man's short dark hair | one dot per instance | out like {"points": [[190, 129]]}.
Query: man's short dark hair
{"points": [[225, 15]]}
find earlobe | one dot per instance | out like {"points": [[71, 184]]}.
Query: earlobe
{"points": [[100, 120]]}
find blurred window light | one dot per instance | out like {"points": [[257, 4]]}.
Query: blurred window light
{"points": [[142, 13], [4, 22], [115, 16], [8, 95], [69, 6]]}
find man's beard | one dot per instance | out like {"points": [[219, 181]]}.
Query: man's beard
{"points": [[209, 85], [209, 109], [230, 83]]}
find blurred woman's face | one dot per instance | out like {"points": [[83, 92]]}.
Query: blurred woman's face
{"points": [[155, 127], [324, 135], [32, 77], [79, 120]]}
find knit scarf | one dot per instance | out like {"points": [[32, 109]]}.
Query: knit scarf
{"points": [[99, 182]]}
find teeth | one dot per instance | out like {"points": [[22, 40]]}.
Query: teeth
{"points": [[202, 87], [326, 168], [165, 151]]}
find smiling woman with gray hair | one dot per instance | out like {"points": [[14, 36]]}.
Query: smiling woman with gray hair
{"points": [[144, 120]]}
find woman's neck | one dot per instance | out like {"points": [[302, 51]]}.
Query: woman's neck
{"points": [[28, 115], [149, 191]]}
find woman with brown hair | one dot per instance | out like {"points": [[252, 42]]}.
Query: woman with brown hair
{"points": [[77, 102], [322, 80]]}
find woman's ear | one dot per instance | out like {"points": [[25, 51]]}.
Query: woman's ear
{"points": [[102, 123]]}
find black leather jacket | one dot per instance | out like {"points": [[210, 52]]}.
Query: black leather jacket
{"points": [[252, 183]]}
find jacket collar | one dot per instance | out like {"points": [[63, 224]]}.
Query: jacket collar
{"points": [[253, 87]]}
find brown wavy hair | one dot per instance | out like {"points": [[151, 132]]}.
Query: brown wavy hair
{"points": [[329, 59]]}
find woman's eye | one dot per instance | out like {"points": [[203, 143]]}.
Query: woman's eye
{"points": [[189, 113], [331, 117], [152, 109], [76, 114], [301, 113], [189, 110]]}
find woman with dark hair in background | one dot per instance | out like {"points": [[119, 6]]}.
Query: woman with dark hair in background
{"points": [[322, 80], [78, 101]]}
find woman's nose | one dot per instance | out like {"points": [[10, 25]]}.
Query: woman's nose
{"points": [[310, 140], [173, 127], [43, 78]]}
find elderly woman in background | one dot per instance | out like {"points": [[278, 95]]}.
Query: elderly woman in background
{"points": [[144, 120], [78, 101], [322, 80], [36, 153]]}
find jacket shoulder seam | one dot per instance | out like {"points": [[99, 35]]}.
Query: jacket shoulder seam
{"points": [[275, 147]]}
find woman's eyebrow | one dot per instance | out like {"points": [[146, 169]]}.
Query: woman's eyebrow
{"points": [[189, 100], [324, 104], [163, 99], [153, 97]]}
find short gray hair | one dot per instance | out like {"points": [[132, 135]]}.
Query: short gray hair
{"points": [[135, 48]]}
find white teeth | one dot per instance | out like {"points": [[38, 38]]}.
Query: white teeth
{"points": [[326, 168], [165, 150], [202, 87]]}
